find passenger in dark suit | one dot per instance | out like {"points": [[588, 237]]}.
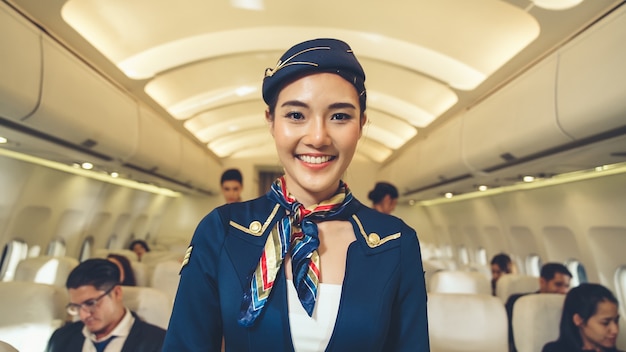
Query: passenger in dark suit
{"points": [[105, 324], [554, 278], [253, 269], [589, 321]]}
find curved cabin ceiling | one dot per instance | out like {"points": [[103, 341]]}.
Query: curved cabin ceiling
{"points": [[202, 62]]}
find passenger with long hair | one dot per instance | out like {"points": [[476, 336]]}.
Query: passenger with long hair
{"points": [[589, 321], [500, 264], [305, 267], [127, 275]]}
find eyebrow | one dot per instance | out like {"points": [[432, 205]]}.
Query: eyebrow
{"points": [[339, 105]]}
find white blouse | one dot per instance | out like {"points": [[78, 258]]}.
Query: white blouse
{"points": [[312, 334]]}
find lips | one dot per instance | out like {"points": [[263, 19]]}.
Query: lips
{"points": [[320, 159]]}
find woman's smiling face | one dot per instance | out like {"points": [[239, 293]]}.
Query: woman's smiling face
{"points": [[316, 126]]}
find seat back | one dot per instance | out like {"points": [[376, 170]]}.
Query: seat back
{"points": [[103, 252], [466, 322], [5, 347], [150, 304], [456, 281], [536, 320], [165, 277], [30, 313], [154, 257], [430, 268], [142, 273], [509, 284], [45, 270]]}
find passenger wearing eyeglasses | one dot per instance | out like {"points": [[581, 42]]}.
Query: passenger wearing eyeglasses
{"points": [[105, 325]]}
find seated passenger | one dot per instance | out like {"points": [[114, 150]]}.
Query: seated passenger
{"points": [[127, 276], [96, 297], [140, 247], [589, 321], [554, 278], [500, 264], [384, 197], [231, 183]]}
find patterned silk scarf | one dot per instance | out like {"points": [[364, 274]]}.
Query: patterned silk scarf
{"points": [[297, 234]]}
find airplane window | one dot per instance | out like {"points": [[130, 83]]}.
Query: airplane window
{"points": [[620, 286], [579, 274], [533, 265], [34, 251], [13, 252], [56, 248], [85, 249], [481, 256]]}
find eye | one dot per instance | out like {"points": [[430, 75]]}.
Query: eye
{"points": [[90, 303], [341, 116], [294, 115]]}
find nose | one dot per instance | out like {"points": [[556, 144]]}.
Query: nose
{"points": [[614, 328], [317, 133]]}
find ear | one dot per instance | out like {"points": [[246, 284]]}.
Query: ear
{"points": [[117, 292], [270, 120], [578, 320]]}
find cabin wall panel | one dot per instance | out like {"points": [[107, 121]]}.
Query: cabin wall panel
{"points": [[592, 79], [20, 65], [576, 208], [13, 179], [42, 204], [561, 243], [70, 229]]}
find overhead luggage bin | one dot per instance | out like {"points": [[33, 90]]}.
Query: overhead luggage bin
{"points": [[20, 65], [195, 168], [499, 129], [159, 146], [82, 108], [591, 84]]}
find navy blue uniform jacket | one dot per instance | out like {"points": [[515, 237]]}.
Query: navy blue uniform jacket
{"points": [[383, 298]]}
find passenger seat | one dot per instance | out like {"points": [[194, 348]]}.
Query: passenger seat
{"points": [[466, 322], [150, 304], [45, 270], [509, 284], [30, 313], [165, 277], [456, 281], [536, 320]]}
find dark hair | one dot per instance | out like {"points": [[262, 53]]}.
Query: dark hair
{"points": [[503, 261], [548, 270], [129, 274], [99, 273], [582, 300], [140, 242], [381, 190], [231, 175]]}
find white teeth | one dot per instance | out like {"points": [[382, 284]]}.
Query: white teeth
{"points": [[314, 159]]}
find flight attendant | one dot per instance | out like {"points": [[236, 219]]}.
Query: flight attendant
{"points": [[305, 267]]}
